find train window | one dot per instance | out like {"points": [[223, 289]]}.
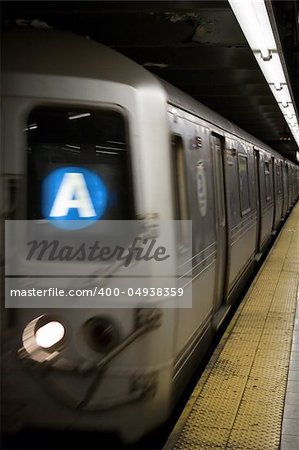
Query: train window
{"points": [[181, 206], [267, 181], [91, 141], [243, 184], [278, 178]]}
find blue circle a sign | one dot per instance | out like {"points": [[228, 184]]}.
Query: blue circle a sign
{"points": [[72, 193]]}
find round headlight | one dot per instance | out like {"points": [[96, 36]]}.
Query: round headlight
{"points": [[43, 335], [50, 334], [101, 334]]}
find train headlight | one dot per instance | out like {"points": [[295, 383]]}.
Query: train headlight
{"points": [[100, 334], [50, 334], [43, 336]]}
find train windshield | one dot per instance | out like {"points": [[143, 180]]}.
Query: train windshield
{"points": [[78, 165]]}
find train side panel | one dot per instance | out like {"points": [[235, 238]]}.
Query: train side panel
{"points": [[266, 197], [190, 136], [242, 212]]}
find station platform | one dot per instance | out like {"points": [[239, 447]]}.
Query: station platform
{"points": [[248, 396]]}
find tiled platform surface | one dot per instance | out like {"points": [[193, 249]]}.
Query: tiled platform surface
{"points": [[290, 424], [248, 396]]}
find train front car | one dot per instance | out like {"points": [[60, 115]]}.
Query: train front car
{"points": [[99, 154], [85, 140]]}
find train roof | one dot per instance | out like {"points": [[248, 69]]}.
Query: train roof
{"points": [[52, 52]]}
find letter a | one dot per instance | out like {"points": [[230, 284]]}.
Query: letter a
{"points": [[73, 193]]}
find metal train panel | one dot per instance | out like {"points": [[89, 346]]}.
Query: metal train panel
{"points": [[192, 137]]}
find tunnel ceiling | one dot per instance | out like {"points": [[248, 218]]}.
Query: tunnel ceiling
{"points": [[197, 46]]}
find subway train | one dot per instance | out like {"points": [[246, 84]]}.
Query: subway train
{"points": [[160, 154]]}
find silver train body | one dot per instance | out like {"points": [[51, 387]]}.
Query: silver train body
{"points": [[182, 161]]}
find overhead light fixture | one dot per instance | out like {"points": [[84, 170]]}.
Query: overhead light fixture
{"points": [[254, 21], [282, 96]]}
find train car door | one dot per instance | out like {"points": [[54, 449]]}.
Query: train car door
{"points": [[285, 188], [221, 224], [258, 198], [275, 193]]}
